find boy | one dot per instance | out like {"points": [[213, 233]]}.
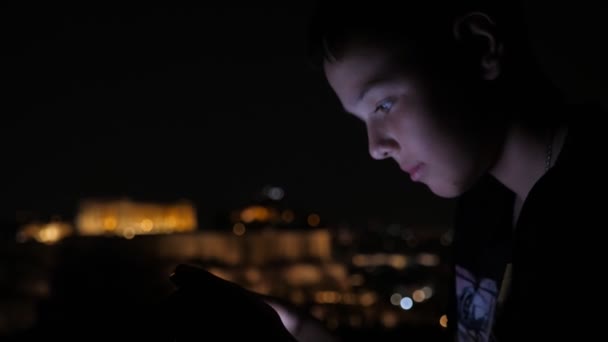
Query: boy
{"points": [[451, 93]]}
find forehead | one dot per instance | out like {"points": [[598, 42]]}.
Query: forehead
{"points": [[358, 67]]}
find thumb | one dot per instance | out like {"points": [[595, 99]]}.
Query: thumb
{"points": [[303, 326]]}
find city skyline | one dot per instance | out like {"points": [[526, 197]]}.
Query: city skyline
{"points": [[347, 279]]}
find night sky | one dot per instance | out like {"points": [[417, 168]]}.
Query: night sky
{"points": [[211, 104]]}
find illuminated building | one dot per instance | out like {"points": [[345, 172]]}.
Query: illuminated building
{"points": [[127, 218], [368, 277], [48, 233]]}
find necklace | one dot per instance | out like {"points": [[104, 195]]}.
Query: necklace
{"points": [[549, 152], [505, 287]]}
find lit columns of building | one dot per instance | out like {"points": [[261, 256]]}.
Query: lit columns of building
{"points": [[122, 218], [127, 218]]}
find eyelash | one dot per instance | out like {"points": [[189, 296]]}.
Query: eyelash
{"points": [[382, 107]]}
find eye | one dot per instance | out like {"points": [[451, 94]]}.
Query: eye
{"points": [[385, 106]]}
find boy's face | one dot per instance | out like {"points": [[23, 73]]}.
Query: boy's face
{"points": [[426, 126]]}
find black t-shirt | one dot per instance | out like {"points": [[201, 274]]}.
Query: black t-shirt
{"points": [[483, 250], [534, 280]]}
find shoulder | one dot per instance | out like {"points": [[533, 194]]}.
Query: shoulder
{"points": [[578, 172]]}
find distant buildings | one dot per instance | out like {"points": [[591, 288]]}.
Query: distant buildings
{"points": [[379, 277], [124, 218], [128, 219]]}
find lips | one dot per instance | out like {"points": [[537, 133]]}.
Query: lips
{"points": [[414, 171]]}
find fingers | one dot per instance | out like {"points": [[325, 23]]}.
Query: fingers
{"points": [[205, 305], [291, 320], [303, 326]]}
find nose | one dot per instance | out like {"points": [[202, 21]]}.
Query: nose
{"points": [[380, 145]]}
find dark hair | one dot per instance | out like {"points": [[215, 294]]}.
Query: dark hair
{"points": [[425, 28], [424, 24]]}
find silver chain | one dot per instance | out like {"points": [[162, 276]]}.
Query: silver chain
{"points": [[549, 152]]}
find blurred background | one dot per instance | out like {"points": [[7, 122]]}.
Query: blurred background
{"points": [[136, 139]]}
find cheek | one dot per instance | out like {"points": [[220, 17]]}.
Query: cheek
{"points": [[457, 159], [451, 160], [424, 141], [457, 167], [449, 153]]}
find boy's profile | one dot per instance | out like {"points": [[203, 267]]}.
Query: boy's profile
{"points": [[451, 92]]}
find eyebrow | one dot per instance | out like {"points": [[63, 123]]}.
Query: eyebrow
{"points": [[372, 84]]}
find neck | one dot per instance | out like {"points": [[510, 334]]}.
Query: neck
{"points": [[527, 149], [522, 161]]}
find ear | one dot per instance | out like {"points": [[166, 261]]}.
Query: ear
{"points": [[478, 30]]}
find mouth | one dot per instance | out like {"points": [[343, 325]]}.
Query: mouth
{"points": [[414, 171]]}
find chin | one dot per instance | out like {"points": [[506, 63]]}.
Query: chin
{"points": [[447, 191]]}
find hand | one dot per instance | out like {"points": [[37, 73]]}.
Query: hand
{"points": [[304, 327], [206, 307]]}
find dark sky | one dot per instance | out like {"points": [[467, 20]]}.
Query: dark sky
{"points": [[209, 104]]}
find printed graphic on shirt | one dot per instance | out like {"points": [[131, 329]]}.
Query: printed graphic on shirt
{"points": [[476, 300]]}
